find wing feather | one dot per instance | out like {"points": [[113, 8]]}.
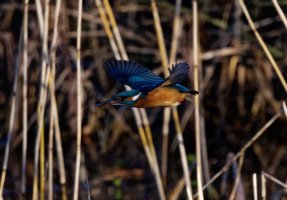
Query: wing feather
{"points": [[178, 73], [133, 74]]}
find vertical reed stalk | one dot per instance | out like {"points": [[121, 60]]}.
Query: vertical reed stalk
{"points": [[182, 152], [164, 151], [25, 104], [177, 25], [40, 133], [12, 115], [79, 103], [176, 31], [53, 100], [263, 186], [254, 181], [45, 73], [59, 150], [42, 163], [39, 12], [50, 153], [196, 99]]}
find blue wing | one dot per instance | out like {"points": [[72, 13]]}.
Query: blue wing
{"points": [[132, 74], [178, 73]]}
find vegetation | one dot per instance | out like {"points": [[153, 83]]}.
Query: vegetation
{"points": [[227, 143]]}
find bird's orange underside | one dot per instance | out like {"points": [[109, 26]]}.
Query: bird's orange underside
{"points": [[162, 96]]}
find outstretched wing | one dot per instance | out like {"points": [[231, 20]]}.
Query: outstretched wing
{"points": [[132, 74], [178, 73]]}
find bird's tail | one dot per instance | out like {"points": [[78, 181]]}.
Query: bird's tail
{"points": [[107, 102], [193, 92]]}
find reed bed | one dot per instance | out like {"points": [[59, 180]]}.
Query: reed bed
{"points": [[55, 144]]}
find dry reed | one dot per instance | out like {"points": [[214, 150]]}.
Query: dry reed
{"points": [[11, 117], [25, 101], [198, 133], [79, 102], [235, 76]]}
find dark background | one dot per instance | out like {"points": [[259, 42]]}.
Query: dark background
{"points": [[237, 102]]}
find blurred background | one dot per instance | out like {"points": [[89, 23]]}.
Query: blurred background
{"points": [[239, 92]]}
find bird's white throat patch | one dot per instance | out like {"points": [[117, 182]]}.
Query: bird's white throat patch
{"points": [[137, 96]]}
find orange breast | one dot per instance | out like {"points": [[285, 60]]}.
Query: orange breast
{"points": [[162, 96]]}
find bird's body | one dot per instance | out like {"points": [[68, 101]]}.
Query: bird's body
{"points": [[149, 90], [161, 96]]}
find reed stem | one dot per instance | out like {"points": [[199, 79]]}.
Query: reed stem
{"points": [[79, 103], [25, 102]]}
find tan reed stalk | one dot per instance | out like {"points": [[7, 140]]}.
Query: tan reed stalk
{"points": [[177, 26], [164, 59], [243, 149], [59, 150], [107, 28], [175, 192], [284, 108], [263, 45], [196, 99], [160, 37], [25, 104], [43, 93], [53, 100], [254, 183], [140, 114], [42, 163], [280, 12], [40, 17], [148, 133], [148, 152], [176, 31], [263, 186], [164, 151], [12, 115], [182, 152], [275, 180], [40, 133], [51, 135], [115, 30], [79, 103], [153, 153], [238, 177]]}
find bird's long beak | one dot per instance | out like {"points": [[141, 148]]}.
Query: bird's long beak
{"points": [[107, 102], [118, 104], [193, 92]]}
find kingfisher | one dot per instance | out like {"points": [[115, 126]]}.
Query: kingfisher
{"points": [[148, 89]]}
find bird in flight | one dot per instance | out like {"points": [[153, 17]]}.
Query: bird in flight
{"points": [[148, 89]]}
